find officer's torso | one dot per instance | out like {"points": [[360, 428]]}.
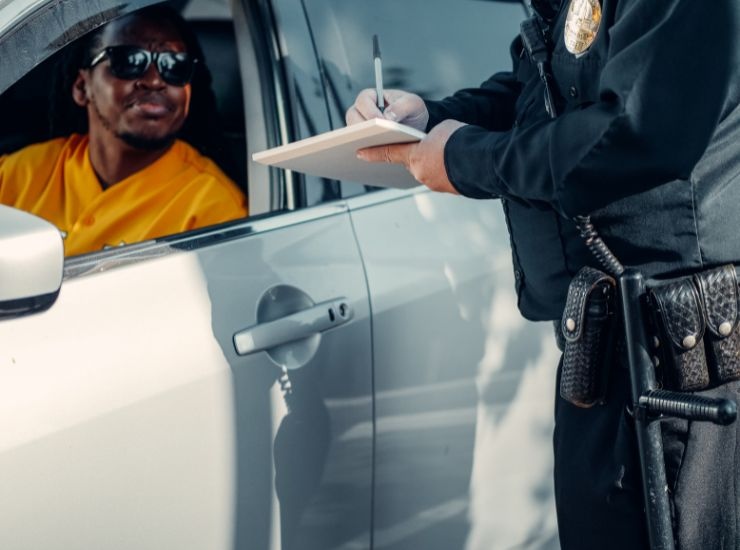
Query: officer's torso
{"points": [[674, 227]]}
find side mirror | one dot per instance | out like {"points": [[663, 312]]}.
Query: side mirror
{"points": [[31, 263]]}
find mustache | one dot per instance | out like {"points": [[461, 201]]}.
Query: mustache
{"points": [[156, 98]]}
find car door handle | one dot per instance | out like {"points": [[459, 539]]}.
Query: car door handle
{"points": [[295, 326]]}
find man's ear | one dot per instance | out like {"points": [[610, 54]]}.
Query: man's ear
{"points": [[79, 89]]}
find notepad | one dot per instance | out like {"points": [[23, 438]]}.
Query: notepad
{"points": [[333, 154]]}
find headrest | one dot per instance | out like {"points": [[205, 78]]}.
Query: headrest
{"points": [[218, 42]]}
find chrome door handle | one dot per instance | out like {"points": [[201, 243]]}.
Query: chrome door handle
{"points": [[295, 326]]}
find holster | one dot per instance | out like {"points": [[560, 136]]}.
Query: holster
{"points": [[719, 297], [587, 328], [680, 322]]}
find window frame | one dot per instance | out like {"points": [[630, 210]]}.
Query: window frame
{"points": [[43, 28], [273, 192]]}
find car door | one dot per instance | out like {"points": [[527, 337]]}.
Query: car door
{"points": [[463, 385], [206, 390]]}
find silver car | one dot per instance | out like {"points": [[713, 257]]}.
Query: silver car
{"points": [[344, 369]]}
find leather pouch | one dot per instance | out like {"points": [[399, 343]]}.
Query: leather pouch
{"points": [[587, 328], [719, 296], [680, 320]]}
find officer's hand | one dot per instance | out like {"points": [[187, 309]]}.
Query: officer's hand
{"points": [[424, 159], [401, 107]]}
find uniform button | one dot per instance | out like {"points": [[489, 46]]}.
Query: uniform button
{"points": [[573, 91], [517, 274]]}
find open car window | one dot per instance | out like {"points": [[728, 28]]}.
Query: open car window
{"points": [[34, 41]]}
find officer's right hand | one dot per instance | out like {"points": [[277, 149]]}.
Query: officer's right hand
{"points": [[401, 106]]}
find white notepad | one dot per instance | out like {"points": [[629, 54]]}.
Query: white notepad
{"points": [[334, 154]]}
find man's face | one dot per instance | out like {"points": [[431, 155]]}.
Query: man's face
{"points": [[145, 112]]}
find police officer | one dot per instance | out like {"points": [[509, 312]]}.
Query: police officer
{"points": [[647, 141]]}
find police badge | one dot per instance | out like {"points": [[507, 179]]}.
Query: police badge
{"points": [[582, 25]]}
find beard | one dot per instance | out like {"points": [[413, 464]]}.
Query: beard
{"points": [[139, 141], [146, 143]]}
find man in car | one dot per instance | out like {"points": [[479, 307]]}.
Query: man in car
{"points": [[128, 177], [636, 122]]}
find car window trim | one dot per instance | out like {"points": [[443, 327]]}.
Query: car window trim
{"points": [[104, 260], [49, 27], [368, 200]]}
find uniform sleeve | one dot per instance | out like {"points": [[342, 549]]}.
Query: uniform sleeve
{"points": [[491, 106], [669, 78]]}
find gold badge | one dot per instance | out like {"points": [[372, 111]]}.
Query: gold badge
{"points": [[582, 25]]}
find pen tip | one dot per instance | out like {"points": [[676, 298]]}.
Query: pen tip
{"points": [[376, 47]]}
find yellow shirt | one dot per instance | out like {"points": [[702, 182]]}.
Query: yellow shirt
{"points": [[181, 190]]}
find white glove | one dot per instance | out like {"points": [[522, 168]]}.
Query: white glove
{"points": [[403, 107]]}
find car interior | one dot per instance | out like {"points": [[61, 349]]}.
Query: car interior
{"points": [[24, 107]]}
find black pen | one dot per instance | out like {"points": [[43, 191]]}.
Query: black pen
{"points": [[378, 73]]}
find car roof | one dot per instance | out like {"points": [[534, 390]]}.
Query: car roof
{"points": [[13, 10], [55, 24]]}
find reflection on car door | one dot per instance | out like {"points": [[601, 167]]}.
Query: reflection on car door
{"points": [[128, 420], [464, 386]]}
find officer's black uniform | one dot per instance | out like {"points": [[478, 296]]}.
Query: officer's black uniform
{"points": [[648, 143]]}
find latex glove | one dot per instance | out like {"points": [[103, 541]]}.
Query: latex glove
{"points": [[403, 107], [424, 159]]}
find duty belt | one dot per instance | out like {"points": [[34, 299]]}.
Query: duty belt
{"points": [[693, 333]]}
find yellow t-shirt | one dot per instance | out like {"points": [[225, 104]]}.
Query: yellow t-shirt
{"points": [[181, 190]]}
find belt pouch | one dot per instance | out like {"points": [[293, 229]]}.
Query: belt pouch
{"points": [[680, 318], [719, 296], [586, 326]]}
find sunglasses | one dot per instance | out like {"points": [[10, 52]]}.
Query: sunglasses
{"points": [[131, 62]]}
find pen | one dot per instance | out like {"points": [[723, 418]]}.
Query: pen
{"points": [[378, 73]]}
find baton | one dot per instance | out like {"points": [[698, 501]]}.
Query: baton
{"points": [[648, 402], [651, 404]]}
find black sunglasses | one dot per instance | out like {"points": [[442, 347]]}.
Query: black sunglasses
{"points": [[131, 62]]}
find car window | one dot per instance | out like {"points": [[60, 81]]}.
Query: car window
{"points": [[430, 47], [30, 110], [306, 93], [213, 24]]}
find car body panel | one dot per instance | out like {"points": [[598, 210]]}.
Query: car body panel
{"points": [[53, 24], [463, 384], [428, 263], [128, 420]]}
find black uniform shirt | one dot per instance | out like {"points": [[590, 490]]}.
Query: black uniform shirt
{"points": [[647, 142]]}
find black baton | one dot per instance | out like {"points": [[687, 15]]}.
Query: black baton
{"points": [[648, 402]]}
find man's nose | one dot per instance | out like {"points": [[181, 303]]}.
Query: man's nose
{"points": [[151, 77]]}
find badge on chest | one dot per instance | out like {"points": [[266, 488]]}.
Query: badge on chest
{"points": [[582, 25]]}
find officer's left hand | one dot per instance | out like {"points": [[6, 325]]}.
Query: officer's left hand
{"points": [[424, 159]]}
